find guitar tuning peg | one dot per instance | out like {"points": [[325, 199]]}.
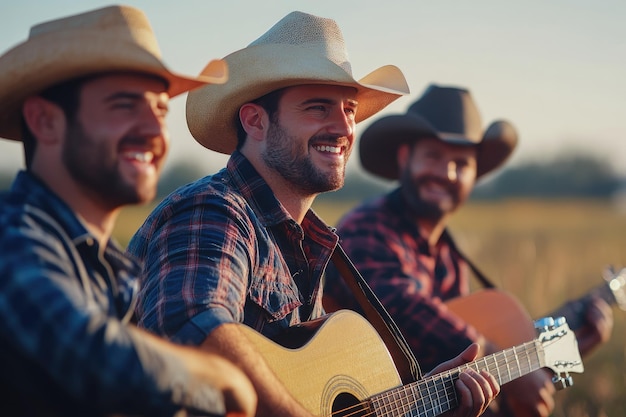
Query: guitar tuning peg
{"points": [[608, 273], [544, 323], [562, 381]]}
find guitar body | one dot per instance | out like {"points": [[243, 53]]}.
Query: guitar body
{"points": [[497, 315], [346, 361], [504, 321], [339, 366]]}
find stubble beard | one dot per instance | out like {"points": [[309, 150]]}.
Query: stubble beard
{"points": [[92, 165], [284, 156], [420, 207]]}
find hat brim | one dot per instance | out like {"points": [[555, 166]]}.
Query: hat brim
{"points": [[41, 62], [260, 69], [499, 141], [379, 143]]}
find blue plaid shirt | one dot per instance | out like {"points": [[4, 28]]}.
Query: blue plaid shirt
{"points": [[224, 250], [65, 348]]}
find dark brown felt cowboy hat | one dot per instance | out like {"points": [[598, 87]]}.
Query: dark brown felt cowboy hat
{"points": [[114, 38], [299, 49], [445, 113]]}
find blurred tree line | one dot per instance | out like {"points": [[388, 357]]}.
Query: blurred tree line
{"points": [[568, 176]]}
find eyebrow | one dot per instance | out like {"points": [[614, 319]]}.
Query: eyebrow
{"points": [[123, 95], [351, 102]]}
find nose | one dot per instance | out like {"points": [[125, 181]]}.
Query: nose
{"points": [[153, 122], [342, 123], [451, 172], [151, 127]]}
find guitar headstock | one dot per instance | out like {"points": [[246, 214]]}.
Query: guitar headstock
{"points": [[560, 350], [616, 282]]}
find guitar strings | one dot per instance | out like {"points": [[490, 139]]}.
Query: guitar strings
{"points": [[392, 402], [439, 406]]}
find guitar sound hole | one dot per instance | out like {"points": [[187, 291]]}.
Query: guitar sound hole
{"points": [[348, 405]]}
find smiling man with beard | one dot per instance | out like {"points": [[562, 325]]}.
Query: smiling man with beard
{"points": [[399, 242], [437, 151], [243, 246], [88, 95]]}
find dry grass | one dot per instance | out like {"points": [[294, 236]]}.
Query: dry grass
{"points": [[545, 253]]}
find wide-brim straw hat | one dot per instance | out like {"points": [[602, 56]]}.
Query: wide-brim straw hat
{"points": [[445, 113], [110, 39], [299, 49]]}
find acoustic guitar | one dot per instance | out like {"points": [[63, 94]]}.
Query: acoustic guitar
{"points": [[339, 366], [503, 320]]}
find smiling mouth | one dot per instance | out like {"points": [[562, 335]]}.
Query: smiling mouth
{"points": [[145, 157], [329, 149]]}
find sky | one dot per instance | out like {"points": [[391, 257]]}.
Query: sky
{"points": [[555, 69]]}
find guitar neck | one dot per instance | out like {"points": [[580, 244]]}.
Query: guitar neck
{"points": [[436, 394], [574, 311]]}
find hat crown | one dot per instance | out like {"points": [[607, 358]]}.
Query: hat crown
{"points": [[123, 22], [106, 40], [320, 35], [451, 111], [299, 49]]}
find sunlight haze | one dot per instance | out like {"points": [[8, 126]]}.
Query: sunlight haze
{"points": [[554, 69]]}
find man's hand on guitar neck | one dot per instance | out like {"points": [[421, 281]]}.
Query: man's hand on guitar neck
{"points": [[597, 327], [531, 395], [476, 390]]}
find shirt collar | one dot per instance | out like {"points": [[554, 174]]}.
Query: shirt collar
{"points": [[31, 191], [256, 191], [264, 203], [398, 204]]}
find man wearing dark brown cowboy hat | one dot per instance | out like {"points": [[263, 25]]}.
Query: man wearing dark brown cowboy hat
{"points": [[88, 95], [437, 151], [243, 245]]}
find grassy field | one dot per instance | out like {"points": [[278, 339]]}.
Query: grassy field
{"points": [[545, 253]]}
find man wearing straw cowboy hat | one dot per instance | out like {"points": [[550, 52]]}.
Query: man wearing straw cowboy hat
{"points": [[437, 150], [243, 245], [88, 95]]}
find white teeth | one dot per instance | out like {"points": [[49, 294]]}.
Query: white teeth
{"points": [[145, 157], [331, 149]]}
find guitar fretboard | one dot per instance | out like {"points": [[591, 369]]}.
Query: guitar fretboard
{"points": [[436, 394]]}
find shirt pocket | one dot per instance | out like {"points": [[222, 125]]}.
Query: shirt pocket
{"points": [[277, 295]]}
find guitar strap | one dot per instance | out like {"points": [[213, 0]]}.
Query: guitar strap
{"points": [[377, 315], [486, 283]]}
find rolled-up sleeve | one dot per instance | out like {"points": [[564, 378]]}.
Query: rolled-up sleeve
{"points": [[196, 251]]}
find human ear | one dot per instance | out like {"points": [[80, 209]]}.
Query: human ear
{"points": [[402, 156], [254, 120], [45, 119]]}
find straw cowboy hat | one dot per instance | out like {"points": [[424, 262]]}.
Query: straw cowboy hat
{"points": [[445, 113], [299, 49], [116, 38]]}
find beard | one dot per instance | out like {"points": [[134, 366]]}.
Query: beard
{"points": [[285, 156], [418, 205], [93, 164]]}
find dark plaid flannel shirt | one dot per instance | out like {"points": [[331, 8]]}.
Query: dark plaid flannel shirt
{"points": [[65, 348], [224, 250], [411, 279]]}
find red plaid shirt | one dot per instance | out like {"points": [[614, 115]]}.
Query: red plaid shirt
{"points": [[224, 250], [411, 279]]}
